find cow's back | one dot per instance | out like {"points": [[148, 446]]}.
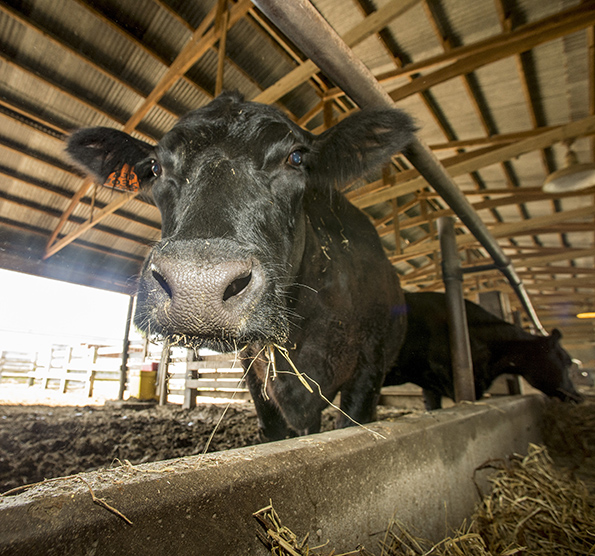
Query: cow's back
{"points": [[497, 347], [425, 357]]}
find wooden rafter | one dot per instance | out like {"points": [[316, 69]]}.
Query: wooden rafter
{"points": [[469, 162], [465, 59], [502, 230]]}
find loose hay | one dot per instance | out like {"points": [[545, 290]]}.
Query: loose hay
{"points": [[570, 438], [533, 509], [538, 507]]}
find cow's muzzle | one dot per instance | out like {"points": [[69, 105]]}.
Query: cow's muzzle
{"points": [[201, 298]]}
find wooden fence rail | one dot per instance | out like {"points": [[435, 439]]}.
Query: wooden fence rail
{"points": [[68, 367]]}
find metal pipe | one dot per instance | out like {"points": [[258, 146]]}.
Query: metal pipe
{"points": [[478, 268], [458, 331], [302, 23]]}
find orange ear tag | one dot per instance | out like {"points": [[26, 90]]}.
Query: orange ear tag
{"points": [[124, 180]]}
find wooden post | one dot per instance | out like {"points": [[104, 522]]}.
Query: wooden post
{"points": [[162, 378], [191, 374], [221, 22], [64, 374], [125, 348], [91, 360]]}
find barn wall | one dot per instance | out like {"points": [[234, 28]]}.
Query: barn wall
{"points": [[343, 485]]}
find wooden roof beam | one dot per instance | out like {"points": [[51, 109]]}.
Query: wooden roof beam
{"points": [[518, 196], [195, 47], [67, 194], [58, 41], [446, 42], [117, 28], [469, 162], [497, 139], [58, 86], [562, 24], [503, 230], [428, 274], [21, 226], [464, 59], [49, 211]]}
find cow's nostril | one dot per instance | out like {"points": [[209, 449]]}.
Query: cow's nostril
{"points": [[161, 281], [237, 286]]}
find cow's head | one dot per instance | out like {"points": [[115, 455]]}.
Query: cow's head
{"points": [[230, 179], [550, 366]]}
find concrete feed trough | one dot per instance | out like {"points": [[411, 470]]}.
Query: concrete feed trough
{"points": [[343, 486]]}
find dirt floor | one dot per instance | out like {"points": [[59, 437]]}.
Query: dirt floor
{"points": [[40, 439]]}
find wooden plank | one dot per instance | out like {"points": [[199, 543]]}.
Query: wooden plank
{"points": [[220, 375], [196, 46], [120, 201], [512, 47], [499, 231], [429, 273], [586, 282], [215, 365], [492, 44], [518, 196], [221, 22], [235, 394], [195, 384], [377, 21], [498, 139], [574, 270]]}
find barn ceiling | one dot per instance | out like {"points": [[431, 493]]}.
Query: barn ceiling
{"points": [[499, 89]]}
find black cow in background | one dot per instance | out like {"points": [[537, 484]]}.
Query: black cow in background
{"points": [[260, 251], [497, 347]]}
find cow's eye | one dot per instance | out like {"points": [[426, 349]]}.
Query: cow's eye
{"points": [[295, 158], [155, 168]]}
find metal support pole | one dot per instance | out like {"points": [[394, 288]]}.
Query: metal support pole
{"points": [[125, 347], [513, 382], [458, 331], [302, 23]]}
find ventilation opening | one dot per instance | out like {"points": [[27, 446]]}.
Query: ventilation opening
{"points": [[237, 286]]}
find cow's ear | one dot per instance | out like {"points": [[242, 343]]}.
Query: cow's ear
{"points": [[361, 143], [556, 335], [110, 155]]}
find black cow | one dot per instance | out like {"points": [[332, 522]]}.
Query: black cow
{"points": [[497, 347], [259, 249]]}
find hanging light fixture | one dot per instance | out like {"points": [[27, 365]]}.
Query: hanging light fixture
{"points": [[586, 315], [572, 177]]}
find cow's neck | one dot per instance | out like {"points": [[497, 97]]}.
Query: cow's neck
{"points": [[511, 357]]}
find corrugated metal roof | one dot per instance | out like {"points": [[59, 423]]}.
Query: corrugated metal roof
{"points": [[67, 64]]}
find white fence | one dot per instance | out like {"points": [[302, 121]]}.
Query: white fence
{"points": [[85, 366]]}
